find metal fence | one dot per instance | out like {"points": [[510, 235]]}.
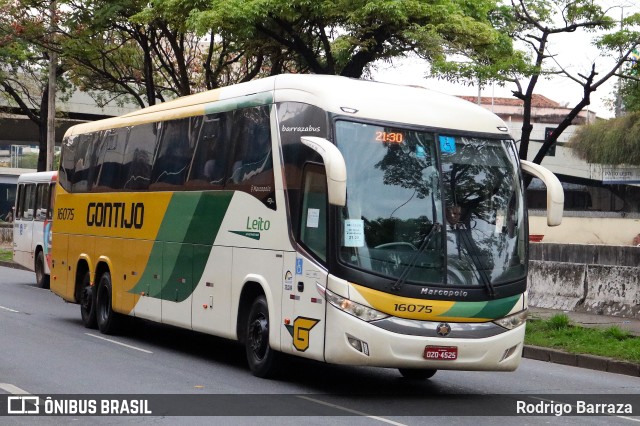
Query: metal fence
{"points": [[6, 232]]}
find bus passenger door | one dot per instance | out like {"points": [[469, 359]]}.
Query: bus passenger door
{"points": [[23, 226], [177, 271], [306, 328], [307, 325]]}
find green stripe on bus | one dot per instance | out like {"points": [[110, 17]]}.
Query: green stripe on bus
{"points": [[224, 105], [492, 309], [192, 219], [499, 308]]}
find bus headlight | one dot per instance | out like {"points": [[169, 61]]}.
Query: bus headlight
{"points": [[512, 321], [365, 313]]}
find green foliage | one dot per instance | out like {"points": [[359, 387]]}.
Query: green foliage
{"points": [[582, 340], [615, 141], [6, 255], [345, 36], [630, 90], [617, 333], [559, 321]]}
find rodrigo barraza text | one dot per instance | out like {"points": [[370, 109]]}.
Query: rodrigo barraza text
{"points": [[562, 409]]}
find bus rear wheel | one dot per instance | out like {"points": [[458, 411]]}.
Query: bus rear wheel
{"points": [[42, 279], [262, 359], [416, 373], [108, 320], [88, 302]]}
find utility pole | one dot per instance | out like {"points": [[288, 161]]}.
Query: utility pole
{"points": [[618, 104], [51, 100]]}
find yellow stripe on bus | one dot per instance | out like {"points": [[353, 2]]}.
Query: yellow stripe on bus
{"points": [[411, 308]]}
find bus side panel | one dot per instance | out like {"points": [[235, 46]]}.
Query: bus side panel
{"points": [[212, 295], [80, 247], [177, 271], [121, 256], [22, 236], [265, 268], [149, 288], [60, 268]]}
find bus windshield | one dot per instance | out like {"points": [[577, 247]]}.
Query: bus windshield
{"points": [[431, 208]]}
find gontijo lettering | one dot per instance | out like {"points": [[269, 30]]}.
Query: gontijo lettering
{"points": [[115, 215]]}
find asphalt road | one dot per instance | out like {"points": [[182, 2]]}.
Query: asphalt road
{"points": [[45, 350]]}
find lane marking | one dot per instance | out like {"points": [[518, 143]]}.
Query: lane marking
{"points": [[349, 410], [119, 343], [9, 309], [13, 389]]}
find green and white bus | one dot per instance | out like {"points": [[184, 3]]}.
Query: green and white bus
{"points": [[341, 220], [32, 223]]}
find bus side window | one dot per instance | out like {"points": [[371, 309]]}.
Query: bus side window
{"points": [[19, 202], [175, 151], [29, 201], [209, 165], [42, 201], [252, 165], [67, 161], [138, 157], [52, 196], [109, 165], [84, 162], [313, 226]]}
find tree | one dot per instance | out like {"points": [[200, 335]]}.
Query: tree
{"points": [[615, 141], [345, 37], [630, 84], [146, 52], [533, 23], [24, 73]]}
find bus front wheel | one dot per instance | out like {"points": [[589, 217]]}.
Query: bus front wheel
{"points": [[262, 359], [88, 302], [42, 279], [107, 319]]}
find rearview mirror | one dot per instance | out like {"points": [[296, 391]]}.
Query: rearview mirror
{"points": [[555, 193], [335, 168]]}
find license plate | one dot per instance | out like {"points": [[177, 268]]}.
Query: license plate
{"points": [[445, 353]]}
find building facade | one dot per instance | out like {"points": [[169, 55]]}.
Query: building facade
{"points": [[602, 202]]}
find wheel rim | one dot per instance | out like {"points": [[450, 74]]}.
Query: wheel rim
{"points": [[259, 337]]}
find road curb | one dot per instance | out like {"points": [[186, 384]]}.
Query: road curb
{"points": [[591, 362], [13, 265]]}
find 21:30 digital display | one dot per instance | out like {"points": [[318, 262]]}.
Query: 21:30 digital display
{"points": [[393, 137]]}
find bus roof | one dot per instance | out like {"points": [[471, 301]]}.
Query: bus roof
{"points": [[51, 176], [355, 98]]}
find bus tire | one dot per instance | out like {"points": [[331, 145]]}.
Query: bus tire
{"points": [[261, 358], [416, 373], [42, 279], [88, 302], [107, 320]]}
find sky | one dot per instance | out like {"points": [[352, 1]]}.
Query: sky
{"points": [[573, 51]]}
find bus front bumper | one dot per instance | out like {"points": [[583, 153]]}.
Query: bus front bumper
{"points": [[352, 341]]}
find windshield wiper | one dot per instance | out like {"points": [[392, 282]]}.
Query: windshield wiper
{"points": [[477, 262], [423, 245]]}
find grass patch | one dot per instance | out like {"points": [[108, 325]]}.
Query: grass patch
{"points": [[558, 332], [6, 255]]}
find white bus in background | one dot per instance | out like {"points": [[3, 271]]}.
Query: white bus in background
{"points": [[32, 223]]}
